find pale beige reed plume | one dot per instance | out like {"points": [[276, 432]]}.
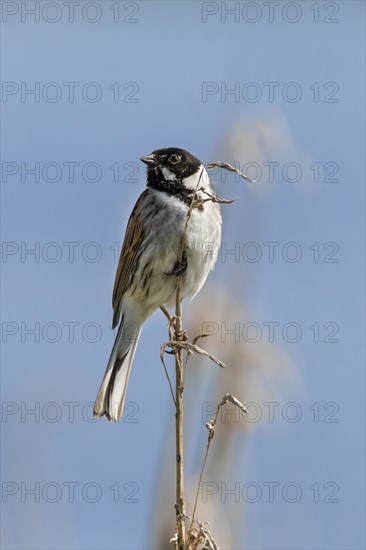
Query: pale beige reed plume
{"points": [[259, 372]]}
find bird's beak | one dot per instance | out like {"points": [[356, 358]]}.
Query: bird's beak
{"points": [[150, 160]]}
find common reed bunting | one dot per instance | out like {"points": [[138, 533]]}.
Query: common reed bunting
{"points": [[150, 259]]}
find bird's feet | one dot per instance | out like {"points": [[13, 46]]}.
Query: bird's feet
{"points": [[179, 268], [179, 334], [173, 332]]}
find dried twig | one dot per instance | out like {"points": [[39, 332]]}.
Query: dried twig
{"points": [[177, 346], [229, 168], [189, 352], [167, 374], [180, 503], [211, 432], [191, 348], [212, 198], [198, 534]]}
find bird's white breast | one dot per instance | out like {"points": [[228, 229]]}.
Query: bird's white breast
{"points": [[163, 233]]}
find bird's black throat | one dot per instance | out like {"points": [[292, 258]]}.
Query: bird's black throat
{"points": [[175, 188]]}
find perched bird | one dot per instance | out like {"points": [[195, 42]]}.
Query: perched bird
{"points": [[151, 259]]}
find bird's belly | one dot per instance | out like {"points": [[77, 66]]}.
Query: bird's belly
{"points": [[203, 240], [156, 286]]}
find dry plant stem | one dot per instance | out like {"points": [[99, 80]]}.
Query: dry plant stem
{"points": [[180, 540], [167, 375], [180, 504], [229, 168], [211, 432], [190, 348], [170, 319]]}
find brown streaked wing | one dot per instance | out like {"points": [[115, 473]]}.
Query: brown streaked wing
{"points": [[131, 245]]}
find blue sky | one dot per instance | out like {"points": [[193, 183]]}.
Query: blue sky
{"points": [[162, 63]]}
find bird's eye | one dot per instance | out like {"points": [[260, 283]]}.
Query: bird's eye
{"points": [[174, 159]]}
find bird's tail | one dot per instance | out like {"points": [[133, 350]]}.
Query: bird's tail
{"points": [[112, 392]]}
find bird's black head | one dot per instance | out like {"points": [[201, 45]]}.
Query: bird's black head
{"points": [[171, 163]]}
